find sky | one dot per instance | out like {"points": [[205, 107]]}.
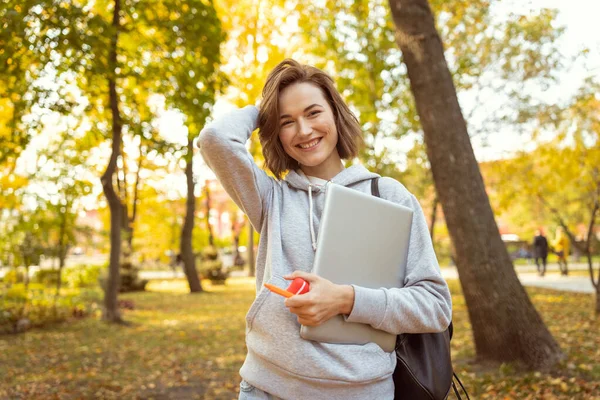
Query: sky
{"points": [[579, 17]]}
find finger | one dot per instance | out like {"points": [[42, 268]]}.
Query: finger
{"points": [[302, 311], [306, 317], [293, 275], [298, 300], [307, 276]]}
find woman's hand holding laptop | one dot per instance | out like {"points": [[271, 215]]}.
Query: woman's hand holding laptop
{"points": [[324, 300]]}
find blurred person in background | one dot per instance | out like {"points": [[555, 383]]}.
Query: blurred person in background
{"points": [[540, 251], [560, 247]]}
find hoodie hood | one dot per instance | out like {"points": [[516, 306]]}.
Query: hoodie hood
{"points": [[346, 177]]}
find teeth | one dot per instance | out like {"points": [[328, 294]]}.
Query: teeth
{"points": [[309, 145]]}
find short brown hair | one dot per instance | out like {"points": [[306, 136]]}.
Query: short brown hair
{"points": [[287, 73]]}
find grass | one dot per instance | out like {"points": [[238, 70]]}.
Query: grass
{"points": [[570, 318], [184, 346]]}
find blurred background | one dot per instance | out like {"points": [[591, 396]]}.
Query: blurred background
{"points": [[100, 105]]}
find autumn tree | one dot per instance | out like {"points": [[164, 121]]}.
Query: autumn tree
{"points": [[562, 175], [506, 326], [24, 54], [356, 42], [259, 37], [61, 180], [189, 38]]}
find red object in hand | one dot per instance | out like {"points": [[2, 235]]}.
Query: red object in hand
{"points": [[298, 286]]}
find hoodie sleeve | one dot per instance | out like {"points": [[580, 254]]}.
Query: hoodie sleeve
{"points": [[222, 144], [424, 303]]}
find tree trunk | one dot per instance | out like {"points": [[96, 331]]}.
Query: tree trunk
{"points": [[588, 255], [506, 326], [238, 260], [128, 232], [111, 311], [598, 300], [187, 253], [595, 280], [211, 239], [136, 192], [62, 253], [26, 278], [251, 260], [436, 201], [236, 229], [25, 309], [59, 277], [589, 249], [126, 228]]}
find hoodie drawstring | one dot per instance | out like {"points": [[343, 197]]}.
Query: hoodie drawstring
{"points": [[312, 228]]}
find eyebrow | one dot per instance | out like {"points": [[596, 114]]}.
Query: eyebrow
{"points": [[305, 110]]}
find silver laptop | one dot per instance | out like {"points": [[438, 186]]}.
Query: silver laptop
{"points": [[363, 240]]}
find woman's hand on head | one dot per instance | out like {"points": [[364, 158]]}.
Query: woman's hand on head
{"points": [[324, 300]]}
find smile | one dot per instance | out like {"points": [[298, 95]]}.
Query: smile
{"points": [[309, 145]]}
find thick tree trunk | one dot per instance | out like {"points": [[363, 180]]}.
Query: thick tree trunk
{"points": [[251, 260], [187, 253], [506, 326], [111, 308]]}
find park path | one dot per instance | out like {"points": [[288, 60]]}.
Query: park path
{"points": [[527, 275], [552, 280]]}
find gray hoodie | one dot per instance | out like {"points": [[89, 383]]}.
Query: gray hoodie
{"points": [[279, 361]]}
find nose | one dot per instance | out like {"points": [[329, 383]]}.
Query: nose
{"points": [[304, 127]]}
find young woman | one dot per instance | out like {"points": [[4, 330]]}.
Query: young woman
{"points": [[306, 130]]}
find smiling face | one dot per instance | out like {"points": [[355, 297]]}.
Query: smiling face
{"points": [[308, 131]]}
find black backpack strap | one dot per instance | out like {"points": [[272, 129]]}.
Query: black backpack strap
{"points": [[375, 187], [456, 389]]}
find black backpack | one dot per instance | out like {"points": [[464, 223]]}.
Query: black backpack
{"points": [[424, 368]]}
